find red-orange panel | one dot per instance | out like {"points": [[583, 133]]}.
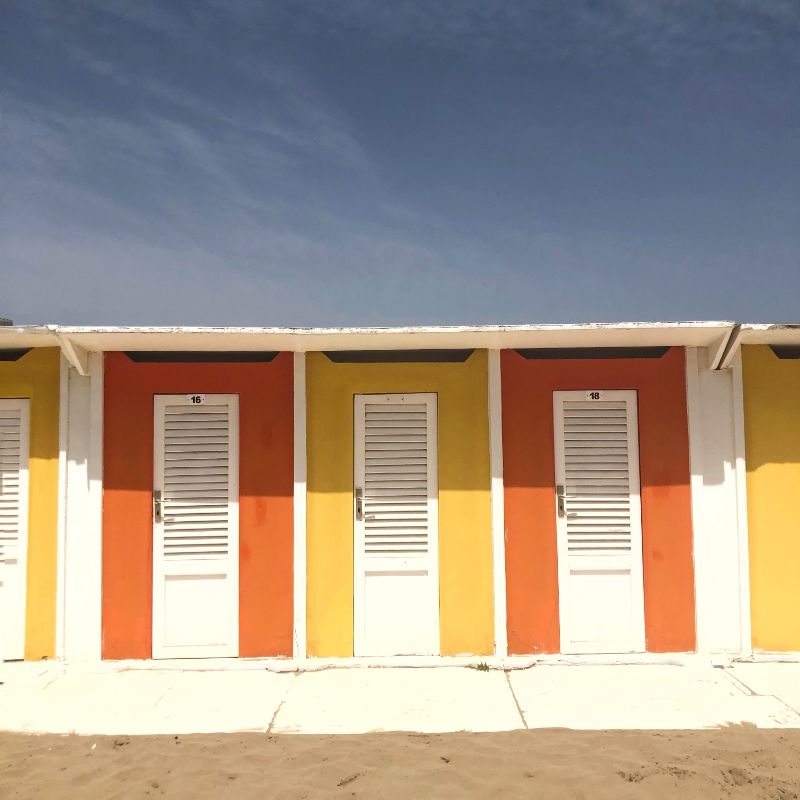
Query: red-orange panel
{"points": [[266, 474], [529, 470]]}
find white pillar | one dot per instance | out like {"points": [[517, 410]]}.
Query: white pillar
{"points": [[81, 562], [720, 530], [741, 506], [61, 524], [299, 649], [497, 500]]}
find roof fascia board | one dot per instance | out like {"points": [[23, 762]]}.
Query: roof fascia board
{"points": [[26, 336], [773, 333], [312, 339]]}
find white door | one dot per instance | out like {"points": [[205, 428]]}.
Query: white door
{"points": [[599, 528], [14, 443], [396, 569], [196, 526]]}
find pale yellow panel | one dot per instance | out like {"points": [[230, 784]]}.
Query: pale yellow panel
{"points": [[772, 442], [465, 548], [37, 376]]}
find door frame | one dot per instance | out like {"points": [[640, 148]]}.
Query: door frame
{"points": [[360, 400], [638, 637], [159, 650], [23, 404]]}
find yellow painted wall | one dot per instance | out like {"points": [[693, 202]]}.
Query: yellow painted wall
{"points": [[465, 546], [37, 376], [772, 447]]}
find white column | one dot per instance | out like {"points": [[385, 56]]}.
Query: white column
{"points": [[61, 525], [498, 516], [81, 566], [299, 650], [741, 506], [719, 529]]}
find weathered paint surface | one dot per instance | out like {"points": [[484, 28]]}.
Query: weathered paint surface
{"points": [[465, 549], [772, 450], [530, 518], [37, 376], [265, 498]]}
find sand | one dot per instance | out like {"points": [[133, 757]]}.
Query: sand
{"points": [[733, 762]]}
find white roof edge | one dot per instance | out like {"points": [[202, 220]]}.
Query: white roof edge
{"points": [[771, 326], [84, 339], [320, 331], [24, 336], [771, 333], [26, 329]]}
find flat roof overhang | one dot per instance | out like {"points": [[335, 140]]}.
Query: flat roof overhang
{"points": [[76, 341], [771, 334], [625, 334], [22, 336]]}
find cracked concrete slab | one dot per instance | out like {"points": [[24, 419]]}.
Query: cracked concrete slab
{"points": [[771, 679], [110, 698], [426, 700], [143, 702], [641, 697]]}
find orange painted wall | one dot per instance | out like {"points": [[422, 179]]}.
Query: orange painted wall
{"points": [[529, 473], [266, 482]]}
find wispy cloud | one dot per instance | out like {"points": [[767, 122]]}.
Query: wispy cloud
{"points": [[192, 162], [664, 30]]}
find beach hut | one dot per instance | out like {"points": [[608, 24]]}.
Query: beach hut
{"points": [[197, 500], [399, 548], [607, 513]]}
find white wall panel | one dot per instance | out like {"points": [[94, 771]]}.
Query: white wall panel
{"points": [[720, 531]]}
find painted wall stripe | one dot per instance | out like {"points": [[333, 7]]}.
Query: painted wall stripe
{"points": [[771, 388], [36, 376]]}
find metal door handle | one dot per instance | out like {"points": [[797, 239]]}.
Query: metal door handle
{"points": [[562, 511], [157, 503], [359, 503]]}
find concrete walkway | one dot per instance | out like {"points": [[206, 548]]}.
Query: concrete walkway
{"points": [[204, 697]]}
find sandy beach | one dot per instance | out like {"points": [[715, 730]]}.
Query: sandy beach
{"points": [[733, 762]]}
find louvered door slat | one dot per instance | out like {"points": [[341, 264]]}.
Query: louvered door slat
{"points": [[395, 477], [14, 443], [186, 432], [11, 423], [582, 514]]}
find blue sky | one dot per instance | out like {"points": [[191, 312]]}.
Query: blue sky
{"points": [[427, 161]]}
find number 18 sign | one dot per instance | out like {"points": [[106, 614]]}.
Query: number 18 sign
{"points": [[595, 394]]}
